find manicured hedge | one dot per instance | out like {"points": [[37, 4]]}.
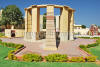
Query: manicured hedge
{"points": [[85, 48], [91, 58], [12, 45], [77, 59], [56, 58], [12, 56], [32, 57], [92, 45], [81, 59]]}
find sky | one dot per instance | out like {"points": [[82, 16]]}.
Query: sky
{"points": [[87, 11]]}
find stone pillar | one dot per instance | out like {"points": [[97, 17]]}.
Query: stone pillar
{"points": [[35, 23], [71, 35], [64, 24], [26, 21], [29, 25], [57, 23], [50, 29], [41, 22]]}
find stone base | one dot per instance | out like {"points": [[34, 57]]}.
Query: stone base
{"points": [[31, 36], [71, 36], [63, 36]]}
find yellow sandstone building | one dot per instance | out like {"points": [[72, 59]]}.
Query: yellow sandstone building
{"points": [[66, 24]]}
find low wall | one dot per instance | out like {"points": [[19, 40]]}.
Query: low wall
{"points": [[18, 32]]}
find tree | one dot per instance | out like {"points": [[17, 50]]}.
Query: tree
{"points": [[44, 20], [99, 27], [11, 15], [83, 26]]}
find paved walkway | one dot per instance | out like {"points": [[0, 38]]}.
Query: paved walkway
{"points": [[70, 47]]}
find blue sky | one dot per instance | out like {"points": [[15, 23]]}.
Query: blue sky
{"points": [[87, 11]]}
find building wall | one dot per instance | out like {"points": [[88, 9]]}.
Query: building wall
{"points": [[81, 31], [18, 32]]}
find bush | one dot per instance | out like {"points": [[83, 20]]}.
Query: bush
{"points": [[82, 46], [77, 59], [19, 46], [32, 57], [91, 58], [85, 37], [85, 48], [98, 41], [13, 45], [56, 58], [12, 57], [92, 45], [11, 51]]}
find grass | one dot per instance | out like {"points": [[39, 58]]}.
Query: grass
{"points": [[95, 51], [10, 63]]}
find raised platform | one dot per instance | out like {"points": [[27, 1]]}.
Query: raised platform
{"points": [[70, 47]]}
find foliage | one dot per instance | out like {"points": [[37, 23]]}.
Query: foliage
{"points": [[2, 34], [91, 58], [12, 57], [13, 45], [11, 15], [92, 45], [44, 22], [90, 37], [83, 26], [77, 59], [32, 57], [84, 48], [98, 41], [56, 58], [84, 37]]}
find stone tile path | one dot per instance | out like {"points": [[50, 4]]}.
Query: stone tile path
{"points": [[70, 47]]}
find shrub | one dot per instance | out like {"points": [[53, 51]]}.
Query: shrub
{"points": [[98, 41], [56, 58], [85, 37], [77, 59], [19, 46], [11, 51], [13, 45], [91, 58], [92, 45], [82, 46], [32, 57], [12, 56]]}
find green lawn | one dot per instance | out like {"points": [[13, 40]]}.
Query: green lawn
{"points": [[96, 51], [10, 63]]}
